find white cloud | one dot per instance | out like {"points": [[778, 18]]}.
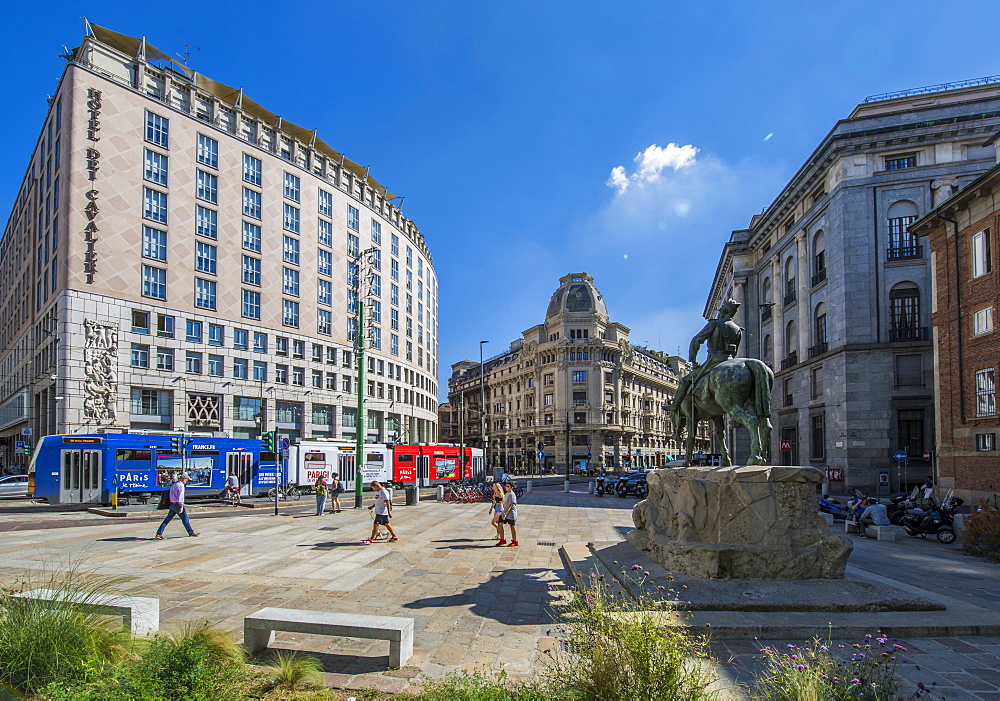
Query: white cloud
{"points": [[651, 163]]}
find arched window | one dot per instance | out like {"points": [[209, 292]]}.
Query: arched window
{"points": [[767, 300], [819, 258], [901, 243], [820, 337], [904, 313], [789, 280], [791, 340], [768, 349]]}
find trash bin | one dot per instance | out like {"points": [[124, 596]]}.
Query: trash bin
{"points": [[412, 495]]}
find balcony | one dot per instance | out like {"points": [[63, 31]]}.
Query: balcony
{"points": [[765, 314], [818, 349], [818, 277], [790, 360], [916, 333], [789, 299], [905, 253]]}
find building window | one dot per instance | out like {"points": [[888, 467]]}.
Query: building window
{"points": [[324, 292], [353, 246], [154, 244], [579, 376], [290, 315], [353, 218], [982, 260], [548, 400], [982, 321], [394, 344], [140, 355], [817, 442], [215, 365], [325, 203], [910, 423], [324, 232], [154, 205], [216, 335], [376, 233], [251, 203], [251, 270], [240, 368], [816, 382], [787, 391], [154, 282], [819, 260], [579, 397], [324, 262], [298, 348], [291, 219], [280, 345], [986, 404], [240, 339], [324, 322], [208, 151], [157, 129], [394, 245], [251, 237], [986, 442], [164, 358], [281, 374], [292, 189], [290, 281], [140, 321], [251, 304], [908, 160], [290, 250], [205, 294], [207, 187], [252, 170], [156, 168], [193, 331], [904, 314], [299, 376], [164, 325], [259, 371], [192, 360], [902, 244], [206, 258], [260, 343]]}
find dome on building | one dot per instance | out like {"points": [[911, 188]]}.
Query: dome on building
{"points": [[577, 295]]}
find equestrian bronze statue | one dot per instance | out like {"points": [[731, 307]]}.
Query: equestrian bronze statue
{"points": [[724, 384]]}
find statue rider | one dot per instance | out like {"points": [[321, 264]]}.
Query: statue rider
{"points": [[723, 337]]}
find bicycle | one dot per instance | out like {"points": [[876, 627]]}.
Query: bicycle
{"points": [[288, 491], [232, 497]]}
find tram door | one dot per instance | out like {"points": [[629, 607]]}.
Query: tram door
{"points": [[80, 476], [241, 465], [346, 464], [423, 471]]}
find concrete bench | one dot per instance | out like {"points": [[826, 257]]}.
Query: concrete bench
{"points": [[827, 517], [259, 628], [141, 615], [851, 526], [887, 533]]}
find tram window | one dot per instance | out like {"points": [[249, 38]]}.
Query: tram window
{"points": [[404, 457], [375, 457], [203, 452], [314, 457], [132, 454], [268, 457]]}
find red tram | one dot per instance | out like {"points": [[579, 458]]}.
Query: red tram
{"points": [[431, 464]]}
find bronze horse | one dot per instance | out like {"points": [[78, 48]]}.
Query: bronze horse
{"points": [[740, 387]]}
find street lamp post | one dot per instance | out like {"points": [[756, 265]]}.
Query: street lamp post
{"points": [[482, 404]]}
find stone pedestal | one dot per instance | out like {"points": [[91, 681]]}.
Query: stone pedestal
{"points": [[755, 522]]}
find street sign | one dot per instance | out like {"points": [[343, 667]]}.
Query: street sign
{"points": [[541, 447], [284, 453], [589, 456], [786, 445], [19, 445], [540, 455], [26, 431], [284, 445], [927, 456], [899, 456], [883, 479]]}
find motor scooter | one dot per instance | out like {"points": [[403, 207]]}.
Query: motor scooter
{"points": [[599, 486], [938, 520]]}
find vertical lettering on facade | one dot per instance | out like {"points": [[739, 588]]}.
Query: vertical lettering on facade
{"points": [[93, 165]]}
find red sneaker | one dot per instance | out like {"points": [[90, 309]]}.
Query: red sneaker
{"points": [[512, 544], [501, 542], [368, 541]]}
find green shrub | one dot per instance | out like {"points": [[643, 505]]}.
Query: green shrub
{"points": [[813, 671], [614, 647], [197, 663], [293, 669], [484, 685], [982, 533], [46, 642]]}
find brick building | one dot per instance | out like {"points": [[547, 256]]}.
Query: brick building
{"points": [[961, 233]]}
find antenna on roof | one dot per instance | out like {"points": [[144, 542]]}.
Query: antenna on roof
{"points": [[186, 56]]}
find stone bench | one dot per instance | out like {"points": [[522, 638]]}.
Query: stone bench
{"points": [[827, 517], [141, 615], [259, 628], [851, 526], [887, 533]]}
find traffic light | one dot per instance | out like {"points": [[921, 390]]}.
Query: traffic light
{"points": [[177, 443], [27, 448], [270, 440]]}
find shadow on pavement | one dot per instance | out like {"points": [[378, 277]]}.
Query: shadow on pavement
{"points": [[512, 597], [330, 662]]}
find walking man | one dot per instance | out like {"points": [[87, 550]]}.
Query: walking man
{"points": [[383, 512], [177, 507], [509, 515]]}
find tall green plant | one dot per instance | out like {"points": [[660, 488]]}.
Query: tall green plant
{"points": [[194, 664], [981, 535]]}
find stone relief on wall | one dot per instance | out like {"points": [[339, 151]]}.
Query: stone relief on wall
{"points": [[100, 357]]}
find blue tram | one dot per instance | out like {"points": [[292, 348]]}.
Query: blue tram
{"points": [[76, 468]]}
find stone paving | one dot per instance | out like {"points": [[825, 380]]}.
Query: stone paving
{"points": [[474, 605]]}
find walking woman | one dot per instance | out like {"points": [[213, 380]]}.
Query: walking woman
{"points": [[496, 508], [336, 489], [321, 492]]}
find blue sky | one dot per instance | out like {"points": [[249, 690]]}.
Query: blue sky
{"points": [[624, 139]]}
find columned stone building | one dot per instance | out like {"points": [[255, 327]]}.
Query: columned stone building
{"points": [[179, 258], [836, 291], [572, 388], [962, 236]]}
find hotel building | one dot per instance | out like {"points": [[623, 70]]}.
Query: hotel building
{"points": [[179, 258]]}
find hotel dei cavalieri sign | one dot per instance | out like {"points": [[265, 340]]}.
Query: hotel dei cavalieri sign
{"points": [[93, 165]]}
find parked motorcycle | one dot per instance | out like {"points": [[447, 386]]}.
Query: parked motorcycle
{"points": [[938, 520], [599, 487], [832, 506]]}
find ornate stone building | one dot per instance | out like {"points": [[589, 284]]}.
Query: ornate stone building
{"points": [[836, 290], [572, 388], [180, 258]]}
